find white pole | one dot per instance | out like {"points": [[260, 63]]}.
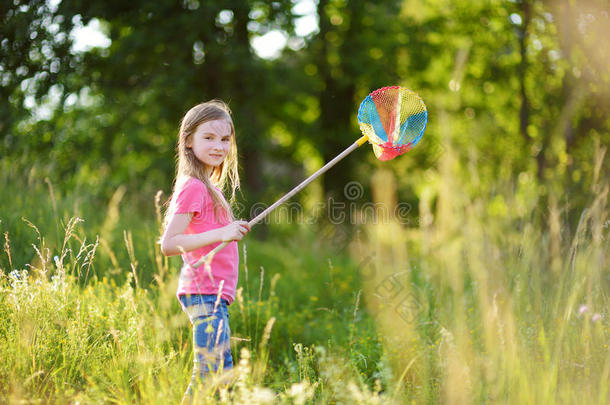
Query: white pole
{"points": [[208, 258]]}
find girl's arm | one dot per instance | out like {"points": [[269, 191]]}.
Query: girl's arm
{"points": [[175, 241]]}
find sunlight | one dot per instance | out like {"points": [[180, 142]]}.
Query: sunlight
{"points": [[88, 36]]}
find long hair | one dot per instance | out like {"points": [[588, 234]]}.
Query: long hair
{"points": [[224, 176]]}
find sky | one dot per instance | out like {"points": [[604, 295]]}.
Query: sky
{"points": [[266, 46]]}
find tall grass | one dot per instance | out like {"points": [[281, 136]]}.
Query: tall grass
{"points": [[487, 300], [88, 311]]}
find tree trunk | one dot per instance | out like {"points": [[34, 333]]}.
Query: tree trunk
{"points": [[245, 94], [337, 100], [523, 38]]}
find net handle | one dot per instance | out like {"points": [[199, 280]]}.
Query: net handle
{"points": [[208, 258]]}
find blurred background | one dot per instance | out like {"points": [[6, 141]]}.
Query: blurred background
{"points": [[493, 232], [93, 91]]}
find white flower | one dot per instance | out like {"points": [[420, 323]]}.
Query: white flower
{"points": [[300, 392]]}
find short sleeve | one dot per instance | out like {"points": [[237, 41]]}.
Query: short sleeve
{"points": [[191, 198]]}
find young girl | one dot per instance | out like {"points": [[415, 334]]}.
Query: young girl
{"points": [[198, 219]]}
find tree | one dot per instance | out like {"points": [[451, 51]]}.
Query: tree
{"points": [[34, 57], [164, 57]]}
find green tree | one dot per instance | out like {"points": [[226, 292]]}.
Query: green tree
{"points": [[512, 87], [164, 57], [35, 57]]}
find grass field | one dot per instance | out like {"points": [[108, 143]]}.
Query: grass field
{"points": [[486, 300]]}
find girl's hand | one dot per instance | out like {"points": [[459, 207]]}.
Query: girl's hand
{"points": [[234, 231]]}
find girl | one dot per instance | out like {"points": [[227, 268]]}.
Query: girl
{"points": [[197, 220]]}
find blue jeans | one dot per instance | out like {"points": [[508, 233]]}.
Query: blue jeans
{"points": [[211, 333]]}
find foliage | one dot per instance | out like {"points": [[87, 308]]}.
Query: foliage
{"points": [[521, 82]]}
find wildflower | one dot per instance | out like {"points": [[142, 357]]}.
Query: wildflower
{"points": [[596, 317], [261, 395], [583, 309], [300, 392]]}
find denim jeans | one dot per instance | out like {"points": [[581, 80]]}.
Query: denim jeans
{"points": [[211, 333]]}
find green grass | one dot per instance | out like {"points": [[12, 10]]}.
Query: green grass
{"points": [[479, 304]]}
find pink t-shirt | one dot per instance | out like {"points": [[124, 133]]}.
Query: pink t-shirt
{"points": [[193, 197]]}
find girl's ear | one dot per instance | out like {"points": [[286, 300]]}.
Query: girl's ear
{"points": [[188, 142]]}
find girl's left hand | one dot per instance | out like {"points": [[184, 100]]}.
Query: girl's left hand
{"points": [[234, 231]]}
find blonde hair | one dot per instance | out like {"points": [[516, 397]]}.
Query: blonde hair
{"points": [[224, 176]]}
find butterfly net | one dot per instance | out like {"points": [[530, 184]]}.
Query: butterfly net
{"points": [[394, 118]]}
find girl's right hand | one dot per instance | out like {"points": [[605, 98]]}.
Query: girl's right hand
{"points": [[234, 231]]}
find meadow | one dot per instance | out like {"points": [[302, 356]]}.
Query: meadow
{"points": [[477, 300], [471, 270]]}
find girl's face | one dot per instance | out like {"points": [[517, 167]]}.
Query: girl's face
{"points": [[211, 142]]}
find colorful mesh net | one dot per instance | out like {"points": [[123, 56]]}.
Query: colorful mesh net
{"points": [[394, 118]]}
